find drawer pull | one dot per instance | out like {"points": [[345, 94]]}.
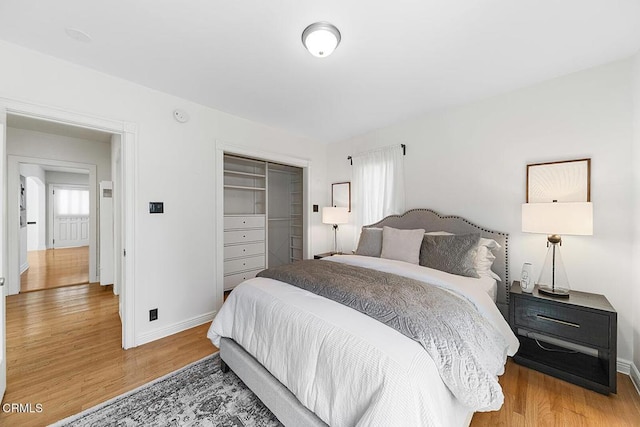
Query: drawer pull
{"points": [[551, 319]]}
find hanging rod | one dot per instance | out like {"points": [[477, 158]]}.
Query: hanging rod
{"points": [[404, 153]]}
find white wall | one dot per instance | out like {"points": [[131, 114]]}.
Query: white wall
{"points": [[471, 161], [67, 178], [36, 206], [34, 190], [174, 268], [24, 263], [635, 277], [28, 143]]}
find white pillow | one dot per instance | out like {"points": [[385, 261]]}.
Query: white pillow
{"points": [[485, 258], [401, 245]]}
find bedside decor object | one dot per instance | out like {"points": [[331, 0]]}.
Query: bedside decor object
{"points": [[526, 278], [321, 39], [335, 216], [564, 181], [554, 219]]}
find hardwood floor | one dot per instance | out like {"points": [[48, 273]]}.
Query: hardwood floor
{"points": [[53, 268], [64, 352], [534, 399]]}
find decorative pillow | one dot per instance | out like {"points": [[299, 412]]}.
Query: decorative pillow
{"points": [[455, 254], [402, 245], [485, 256], [370, 243]]}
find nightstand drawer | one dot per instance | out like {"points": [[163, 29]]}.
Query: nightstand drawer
{"points": [[582, 326]]}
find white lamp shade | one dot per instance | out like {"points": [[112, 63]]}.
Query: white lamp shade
{"points": [[575, 218], [333, 215]]}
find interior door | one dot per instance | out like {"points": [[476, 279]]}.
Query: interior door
{"points": [[70, 217], [3, 257]]}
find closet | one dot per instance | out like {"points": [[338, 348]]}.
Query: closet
{"points": [[263, 217]]}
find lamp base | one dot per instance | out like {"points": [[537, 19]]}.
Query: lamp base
{"points": [[555, 293]]}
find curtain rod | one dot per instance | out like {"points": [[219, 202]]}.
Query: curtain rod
{"points": [[404, 153]]}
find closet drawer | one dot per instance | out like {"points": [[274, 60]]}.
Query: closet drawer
{"points": [[242, 236], [237, 251], [232, 280], [232, 222], [242, 264]]}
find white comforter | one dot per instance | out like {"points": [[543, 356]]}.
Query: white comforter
{"points": [[347, 368]]}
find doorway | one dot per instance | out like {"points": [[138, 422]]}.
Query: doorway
{"points": [[56, 250], [125, 135]]}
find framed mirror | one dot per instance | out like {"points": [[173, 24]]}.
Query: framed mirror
{"points": [[564, 181], [341, 195]]}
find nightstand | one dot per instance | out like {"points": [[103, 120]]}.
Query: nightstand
{"points": [[325, 254], [584, 319]]}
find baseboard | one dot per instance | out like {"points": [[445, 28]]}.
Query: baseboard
{"points": [[175, 328], [635, 377], [24, 267], [623, 366]]}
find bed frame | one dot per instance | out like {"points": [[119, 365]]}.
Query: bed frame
{"points": [[432, 221], [282, 403]]}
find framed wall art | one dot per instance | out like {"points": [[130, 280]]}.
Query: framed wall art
{"points": [[562, 181], [341, 195]]}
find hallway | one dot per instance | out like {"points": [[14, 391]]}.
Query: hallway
{"points": [[53, 268]]}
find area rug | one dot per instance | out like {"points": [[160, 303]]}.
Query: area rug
{"points": [[196, 395]]}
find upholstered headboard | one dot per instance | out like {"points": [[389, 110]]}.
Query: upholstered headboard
{"points": [[432, 221]]}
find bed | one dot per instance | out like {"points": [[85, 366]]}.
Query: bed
{"points": [[314, 361]]}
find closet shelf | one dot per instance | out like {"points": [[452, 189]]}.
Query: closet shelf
{"points": [[242, 187], [232, 172]]}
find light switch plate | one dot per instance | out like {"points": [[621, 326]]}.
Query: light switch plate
{"points": [[156, 207]]}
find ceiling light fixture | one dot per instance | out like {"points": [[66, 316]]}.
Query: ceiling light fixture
{"points": [[321, 39]]}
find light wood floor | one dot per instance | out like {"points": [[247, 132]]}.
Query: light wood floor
{"points": [[534, 399], [53, 268], [64, 351]]}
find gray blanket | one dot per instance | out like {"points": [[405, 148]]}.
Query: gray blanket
{"points": [[467, 350]]}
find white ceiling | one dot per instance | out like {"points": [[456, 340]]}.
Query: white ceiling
{"points": [[397, 59]]}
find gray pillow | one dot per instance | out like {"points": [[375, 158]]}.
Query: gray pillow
{"points": [[455, 254], [370, 243], [401, 245]]}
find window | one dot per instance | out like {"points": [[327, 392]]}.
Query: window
{"points": [[72, 202], [378, 178]]}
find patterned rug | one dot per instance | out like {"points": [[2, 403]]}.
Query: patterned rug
{"points": [[196, 395]]}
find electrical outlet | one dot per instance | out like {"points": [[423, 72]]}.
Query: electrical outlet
{"points": [[153, 314]]}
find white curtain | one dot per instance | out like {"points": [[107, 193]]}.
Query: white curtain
{"points": [[378, 181]]}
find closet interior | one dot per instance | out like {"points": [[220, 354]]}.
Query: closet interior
{"points": [[263, 217]]}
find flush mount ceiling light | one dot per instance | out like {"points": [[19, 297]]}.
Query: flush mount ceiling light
{"points": [[321, 39]]}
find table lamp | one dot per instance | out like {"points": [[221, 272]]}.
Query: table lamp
{"points": [[554, 219], [335, 216]]}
